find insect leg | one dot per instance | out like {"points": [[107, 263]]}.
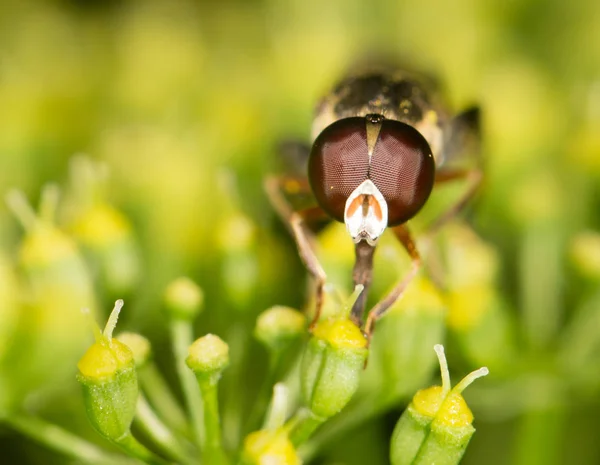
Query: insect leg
{"points": [[473, 178], [294, 220], [461, 160], [403, 235], [462, 147]]}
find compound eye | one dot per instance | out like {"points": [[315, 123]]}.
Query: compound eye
{"points": [[338, 164], [403, 169]]}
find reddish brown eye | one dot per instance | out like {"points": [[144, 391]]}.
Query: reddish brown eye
{"points": [[403, 169], [338, 164]]}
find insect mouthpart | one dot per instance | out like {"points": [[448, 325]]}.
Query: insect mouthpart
{"points": [[366, 213]]}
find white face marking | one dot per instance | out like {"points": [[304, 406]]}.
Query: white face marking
{"points": [[366, 213]]}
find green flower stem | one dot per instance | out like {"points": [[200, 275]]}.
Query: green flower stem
{"points": [[161, 398], [541, 285], [18, 203], [49, 202], [354, 415], [58, 439], [540, 437], [160, 435], [303, 424], [579, 341], [238, 337], [212, 449], [133, 448], [182, 337], [264, 393]]}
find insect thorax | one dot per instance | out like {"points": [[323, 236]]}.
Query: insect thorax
{"points": [[395, 95]]}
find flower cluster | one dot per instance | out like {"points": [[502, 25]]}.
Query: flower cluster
{"points": [[175, 398], [312, 375]]}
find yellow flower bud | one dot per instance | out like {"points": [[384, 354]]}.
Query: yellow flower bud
{"points": [[208, 355], [437, 425], [278, 326], [268, 447], [333, 362], [57, 284], [139, 345], [183, 299], [109, 382]]}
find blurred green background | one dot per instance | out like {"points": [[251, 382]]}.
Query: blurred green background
{"points": [[185, 101]]}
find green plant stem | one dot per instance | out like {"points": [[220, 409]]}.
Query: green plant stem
{"points": [[581, 338], [540, 437], [161, 398], [264, 393], [182, 337], [357, 413], [133, 448], [238, 337], [212, 449], [541, 278], [160, 435], [59, 439], [303, 424]]}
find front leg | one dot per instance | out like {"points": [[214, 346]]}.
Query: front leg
{"points": [[473, 178], [461, 160], [403, 235], [294, 220]]}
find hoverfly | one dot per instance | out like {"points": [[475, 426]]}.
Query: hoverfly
{"points": [[380, 143]]}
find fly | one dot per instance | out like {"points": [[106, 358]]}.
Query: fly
{"points": [[380, 143]]}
